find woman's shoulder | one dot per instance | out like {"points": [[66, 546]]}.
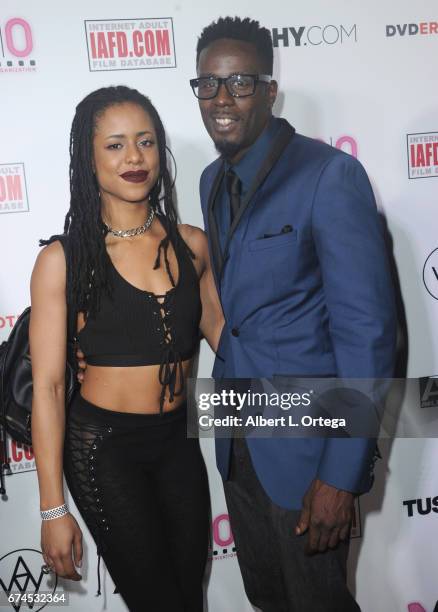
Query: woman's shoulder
{"points": [[194, 237], [50, 262], [52, 252]]}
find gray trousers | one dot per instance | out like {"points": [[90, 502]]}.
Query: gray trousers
{"points": [[277, 574]]}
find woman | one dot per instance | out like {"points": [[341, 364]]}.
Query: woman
{"points": [[141, 295]]}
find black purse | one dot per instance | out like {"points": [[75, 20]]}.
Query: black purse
{"points": [[16, 379]]}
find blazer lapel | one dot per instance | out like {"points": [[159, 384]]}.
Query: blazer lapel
{"points": [[280, 142]]}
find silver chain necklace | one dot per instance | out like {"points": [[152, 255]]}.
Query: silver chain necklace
{"points": [[135, 231]]}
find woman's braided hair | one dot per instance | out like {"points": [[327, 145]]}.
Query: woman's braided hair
{"points": [[87, 260]]}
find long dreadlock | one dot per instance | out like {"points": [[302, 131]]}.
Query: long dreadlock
{"points": [[86, 254]]}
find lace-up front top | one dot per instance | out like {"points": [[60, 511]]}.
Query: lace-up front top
{"points": [[135, 327]]}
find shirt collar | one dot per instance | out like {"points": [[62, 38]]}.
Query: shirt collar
{"points": [[248, 166]]}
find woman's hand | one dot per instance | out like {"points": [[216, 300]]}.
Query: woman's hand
{"points": [[82, 365], [61, 543]]}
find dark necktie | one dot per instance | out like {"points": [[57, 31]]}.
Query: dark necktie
{"points": [[234, 188]]}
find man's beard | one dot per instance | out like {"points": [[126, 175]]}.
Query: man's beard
{"points": [[227, 149]]}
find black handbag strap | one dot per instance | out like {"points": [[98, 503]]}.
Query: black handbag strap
{"points": [[71, 311], [4, 464]]}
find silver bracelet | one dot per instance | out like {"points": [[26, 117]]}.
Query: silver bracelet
{"points": [[53, 513]]}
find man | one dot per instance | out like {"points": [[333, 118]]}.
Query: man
{"points": [[303, 277]]}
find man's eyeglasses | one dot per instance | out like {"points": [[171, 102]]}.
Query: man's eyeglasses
{"points": [[237, 85]]}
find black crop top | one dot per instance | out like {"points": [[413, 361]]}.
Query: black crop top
{"points": [[135, 327]]}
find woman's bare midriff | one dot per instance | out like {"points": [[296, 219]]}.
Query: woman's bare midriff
{"points": [[129, 389]]}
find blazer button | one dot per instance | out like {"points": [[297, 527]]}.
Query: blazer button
{"points": [[235, 332]]}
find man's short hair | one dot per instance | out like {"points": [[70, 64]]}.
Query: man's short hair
{"points": [[245, 30]]}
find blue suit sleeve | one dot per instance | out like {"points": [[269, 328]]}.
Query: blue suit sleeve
{"points": [[359, 295]]}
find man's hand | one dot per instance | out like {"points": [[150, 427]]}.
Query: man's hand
{"points": [[82, 365], [327, 514]]}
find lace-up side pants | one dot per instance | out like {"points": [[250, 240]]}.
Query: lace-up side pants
{"points": [[141, 487]]}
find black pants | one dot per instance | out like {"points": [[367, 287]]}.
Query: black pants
{"points": [[277, 574], [141, 487]]}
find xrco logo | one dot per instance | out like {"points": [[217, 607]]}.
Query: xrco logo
{"points": [[16, 46], [7, 321], [21, 576], [314, 35], [223, 539], [430, 274], [344, 143], [417, 607]]}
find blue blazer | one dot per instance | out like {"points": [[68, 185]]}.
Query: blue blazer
{"points": [[316, 301]]}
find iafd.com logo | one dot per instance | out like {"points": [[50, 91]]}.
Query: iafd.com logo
{"points": [[130, 44], [13, 190], [422, 155], [16, 46], [315, 35]]}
